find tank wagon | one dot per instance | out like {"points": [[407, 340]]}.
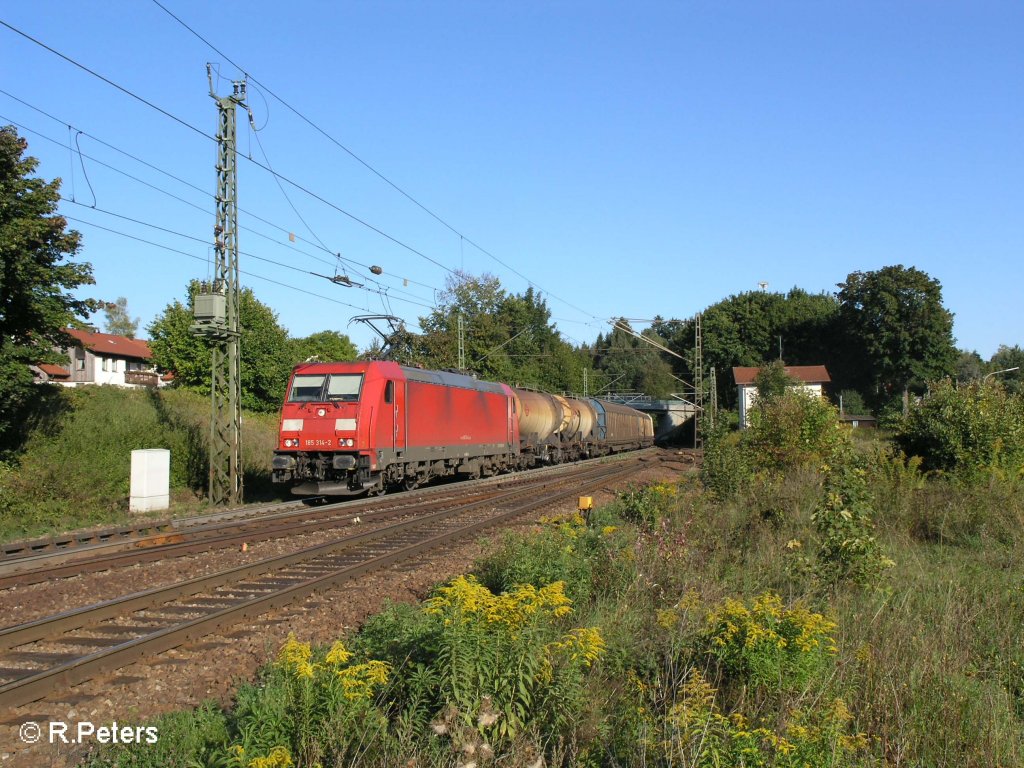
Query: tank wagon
{"points": [[364, 427]]}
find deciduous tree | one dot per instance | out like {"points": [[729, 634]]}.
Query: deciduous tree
{"points": [[324, 346], [895, 319], [36, 275], [265, 354]]}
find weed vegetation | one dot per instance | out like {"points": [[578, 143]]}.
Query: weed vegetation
{"points": [[821, 603], [74, 468]]}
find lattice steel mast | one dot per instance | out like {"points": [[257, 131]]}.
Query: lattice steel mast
{"points": [[216, 312]]}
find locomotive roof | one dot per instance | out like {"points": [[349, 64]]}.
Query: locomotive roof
{"points": [[450, 379]]}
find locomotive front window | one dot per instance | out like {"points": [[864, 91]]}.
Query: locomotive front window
{"points": [[344, 386], [306, 389]]}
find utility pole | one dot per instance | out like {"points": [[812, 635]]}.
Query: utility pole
{"points": [[216, 312], [698, 382], [713, 411]]}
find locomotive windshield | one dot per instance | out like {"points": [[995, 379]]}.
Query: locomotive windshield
{"points": [[307, 388]]}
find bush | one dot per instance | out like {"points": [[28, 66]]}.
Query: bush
{"points": [[559, 554], [844, 520], [974, 431], [795, 429], [726, 469]]}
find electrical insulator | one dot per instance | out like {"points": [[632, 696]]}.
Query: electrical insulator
{"points": [[377, 270]]}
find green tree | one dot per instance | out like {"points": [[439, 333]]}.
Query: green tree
{"points": [[895, 320], [266, 358], [1009, 357], [628, 364], [35, 277], [969, 366], [507, 337], [324, 346], [748, 329], [119, 322]]}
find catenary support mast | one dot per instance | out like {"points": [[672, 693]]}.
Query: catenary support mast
{"points": [[216, 312]]}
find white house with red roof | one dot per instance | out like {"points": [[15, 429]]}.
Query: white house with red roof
{"points": [[102, 358], [810, 378]]}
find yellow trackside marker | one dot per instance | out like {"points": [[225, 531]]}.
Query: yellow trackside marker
{"points": [[586, 503]]}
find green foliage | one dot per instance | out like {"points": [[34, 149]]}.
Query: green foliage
{"points": [[644, 506], [894, 316], [185, 739], [793, 429], [558, 556], [744, 330], [767, 644], [844, 520], [503, 662], [624, 363], [508, 337], [325, 346], [973, 431], [36, 278], [1009, 357], [727, 468], [266, 359], [772, 382], [969, 367], [310, 707], [853, 403], [700, 735]]}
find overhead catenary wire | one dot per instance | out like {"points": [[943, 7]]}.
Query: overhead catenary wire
{"points": [[364, 163], [206, 242], [184, 201], [282, 177], [203, 259], [626, 329], [286, 179]]}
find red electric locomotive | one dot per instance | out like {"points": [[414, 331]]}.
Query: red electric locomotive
{"points": [[352, 427], [349, 428]]}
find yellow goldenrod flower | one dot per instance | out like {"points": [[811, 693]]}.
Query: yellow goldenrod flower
{"points": [[279, 757], [338, 654]]}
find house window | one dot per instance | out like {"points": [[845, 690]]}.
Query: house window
{"points": [[106, 364], [80, 363]]}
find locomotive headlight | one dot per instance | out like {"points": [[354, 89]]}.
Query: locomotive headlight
{"points": [[321, 411]]}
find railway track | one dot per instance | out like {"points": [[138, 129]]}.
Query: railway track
{"points": [[35, 562], [54, 653]]}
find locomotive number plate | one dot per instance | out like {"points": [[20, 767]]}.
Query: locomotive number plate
{"points": [[317, 443]]}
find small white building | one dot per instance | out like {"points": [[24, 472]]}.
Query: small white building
{"points": [[102, 358], [811, 378]]}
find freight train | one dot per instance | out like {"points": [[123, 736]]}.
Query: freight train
{"points": [[366, 427]]}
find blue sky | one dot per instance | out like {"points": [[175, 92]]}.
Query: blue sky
{"points": [[628, 159]]}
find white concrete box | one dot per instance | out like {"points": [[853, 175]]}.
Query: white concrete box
{"points": [[151, 480]]}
